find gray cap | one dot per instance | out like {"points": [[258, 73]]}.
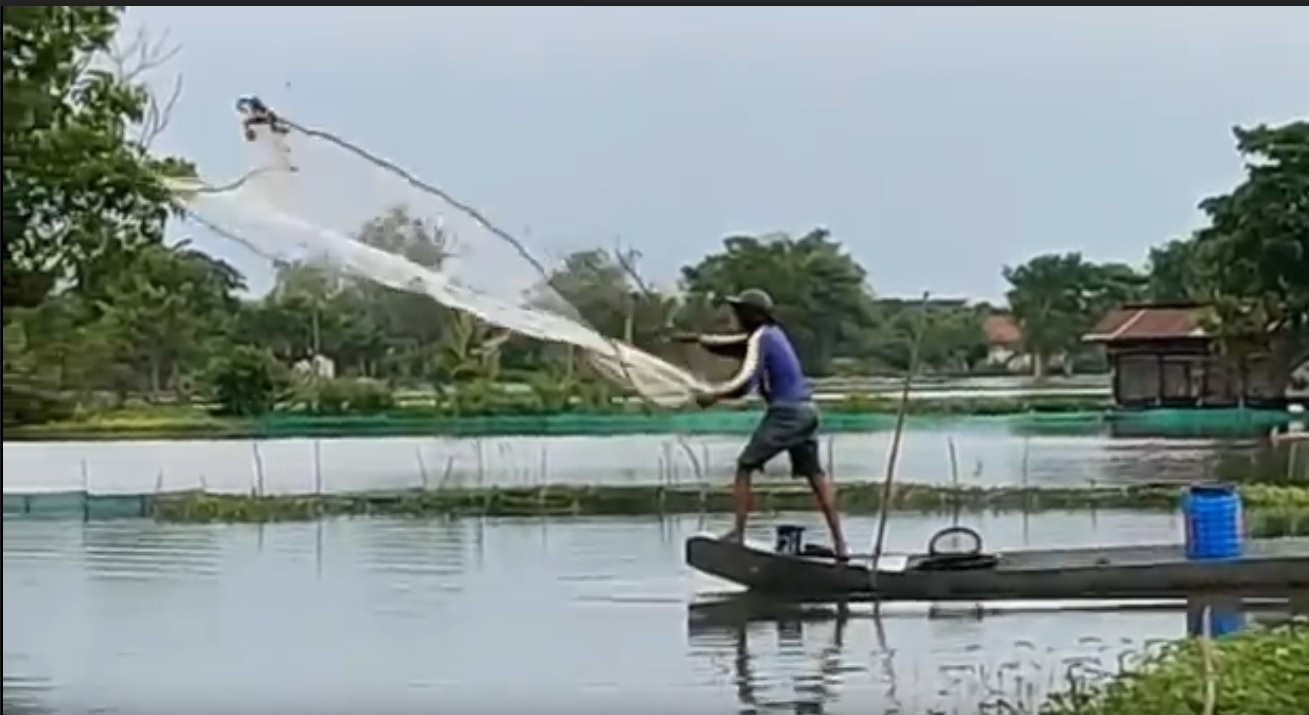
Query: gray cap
{"points": [[753, 297]]}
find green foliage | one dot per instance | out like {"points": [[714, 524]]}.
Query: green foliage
{"points": [[25, 402], [1259, 672], [1254, 254], [633, 499], [247, 381], [953, 339], [1057, 298], [822, 296], [344, 396], [552, 392], [1175, 273], [80, 196], [77, 191], [172, 302]]}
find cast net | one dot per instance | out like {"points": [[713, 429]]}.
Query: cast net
{"points": [[311, 195]]}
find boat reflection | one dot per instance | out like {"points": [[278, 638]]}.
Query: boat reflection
{"points": [[732, 618], [1001, 657]]}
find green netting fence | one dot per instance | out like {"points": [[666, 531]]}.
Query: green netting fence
{"points": [[1149, 422], [1179, 423], [580, 424]]}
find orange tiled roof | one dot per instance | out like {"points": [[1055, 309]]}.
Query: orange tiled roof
{"points": [[1146, 322], [1001, 330]]}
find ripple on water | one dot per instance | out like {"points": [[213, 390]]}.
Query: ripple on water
{"points": [[143, 617]]}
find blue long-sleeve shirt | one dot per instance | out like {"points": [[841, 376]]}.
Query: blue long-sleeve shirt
{"points": [[768, 364]]}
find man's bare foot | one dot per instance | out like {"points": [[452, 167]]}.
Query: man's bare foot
{"points": [[841, 550], [733, 537]]}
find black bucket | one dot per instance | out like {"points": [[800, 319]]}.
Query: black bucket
{"points": [[790, 539]]}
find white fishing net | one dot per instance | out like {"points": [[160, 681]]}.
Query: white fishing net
{"points": [[312, 195]]}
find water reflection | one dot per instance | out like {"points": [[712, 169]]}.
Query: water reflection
{"points": [[812, 691], [542, 614], [820, 659], [1273, 460]]}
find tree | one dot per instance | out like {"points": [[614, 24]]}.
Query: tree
{"points": [[607, 292], [245, 381], [467, 359], [415, 321], [1254, 254], [167, 306], [29, 394], [953, 340], [298, 315], [1057, 298], [80, 189], [822, 295], [596, 285], [76, 189], [397, 230], [1174, 273]]}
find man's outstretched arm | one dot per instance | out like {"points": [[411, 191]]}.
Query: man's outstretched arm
{"points": [[746, 376], [726, 345]]}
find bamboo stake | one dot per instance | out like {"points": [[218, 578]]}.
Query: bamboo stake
{"points": [[893, 457]]}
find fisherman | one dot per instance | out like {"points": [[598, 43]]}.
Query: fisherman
{"points": [[790, 422]]}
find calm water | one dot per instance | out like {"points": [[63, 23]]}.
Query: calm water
{"points": [[555, 615], [984, 454]]}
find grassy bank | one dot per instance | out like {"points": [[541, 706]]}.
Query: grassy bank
{"points": [[1271, 511], [1263, 671], [850, 414]]}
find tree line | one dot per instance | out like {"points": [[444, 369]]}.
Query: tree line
{"points": [[97, 308]]}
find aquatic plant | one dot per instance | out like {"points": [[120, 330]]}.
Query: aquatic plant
{"points": [[1268, 523], [1271, 512], [1263, 671]]}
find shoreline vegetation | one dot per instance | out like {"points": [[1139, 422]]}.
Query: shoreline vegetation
{"points": [[523, 416], [1263, 670], [855, 413], [1271, 510]]}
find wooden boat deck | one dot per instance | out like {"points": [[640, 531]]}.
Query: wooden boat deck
{"points": [[1123, 556], [1269, 567]]}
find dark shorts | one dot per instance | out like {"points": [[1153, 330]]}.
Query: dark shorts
{"points": [[790, 428]]}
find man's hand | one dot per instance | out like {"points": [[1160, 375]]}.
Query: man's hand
{"points": [[705, 399], [680, 337]]}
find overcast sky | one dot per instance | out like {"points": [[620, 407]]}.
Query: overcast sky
{"points": [[937, 144]]}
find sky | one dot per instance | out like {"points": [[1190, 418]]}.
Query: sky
{"points": [[937, 144]]}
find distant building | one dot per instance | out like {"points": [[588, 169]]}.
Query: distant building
{"points": [[1162, 356], [1004, 343], [315, 366]]}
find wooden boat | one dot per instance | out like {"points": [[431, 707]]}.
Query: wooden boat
{"points": [[1269, 568]]}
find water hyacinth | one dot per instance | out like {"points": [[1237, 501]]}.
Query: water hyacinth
{"points": [[1264, 671], [1269, 513]]}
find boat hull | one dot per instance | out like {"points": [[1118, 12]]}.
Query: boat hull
{"points": [[1272, 568]]}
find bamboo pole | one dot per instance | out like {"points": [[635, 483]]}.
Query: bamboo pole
{"points": [[893, 456]]}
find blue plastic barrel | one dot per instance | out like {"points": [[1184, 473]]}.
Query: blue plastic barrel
{"points": [[790, 539], [1213, 521]]}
